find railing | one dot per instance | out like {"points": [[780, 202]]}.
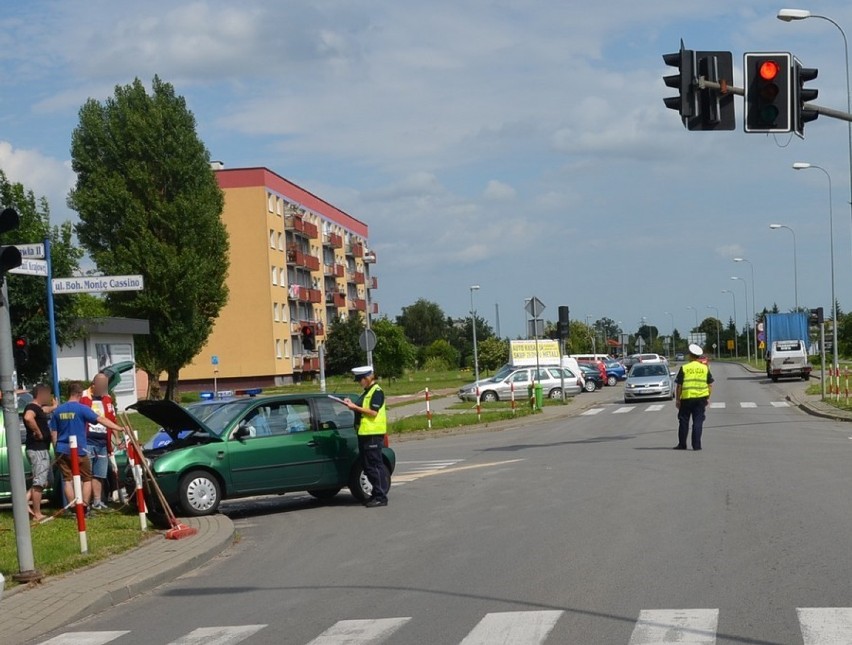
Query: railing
{"points": [[333, 240]]}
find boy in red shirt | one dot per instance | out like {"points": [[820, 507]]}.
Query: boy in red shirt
{"points": [[99, 437]]}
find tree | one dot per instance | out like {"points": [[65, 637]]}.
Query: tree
{"points": [[27, 294], [493, 352], [149, 204], [393, 352], [423, 322], [579, 338], [441, 349], [608, 327], [342, 351], [460, 335]]}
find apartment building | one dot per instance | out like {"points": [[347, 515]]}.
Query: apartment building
{"points": [[296, 261]]}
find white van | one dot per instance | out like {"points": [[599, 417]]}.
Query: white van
{"points": [[571, 363], [591, 357]]}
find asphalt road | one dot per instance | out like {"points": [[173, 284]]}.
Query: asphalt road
{"points": [[591, 528]]}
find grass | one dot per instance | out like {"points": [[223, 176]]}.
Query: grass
{"points": [[502, 405], [56, 544], [455, 420], [143, 426]]}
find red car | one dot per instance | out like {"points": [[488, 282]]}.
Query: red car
{"points": [[601, 367]]}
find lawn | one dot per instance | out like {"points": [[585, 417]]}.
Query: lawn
{"points": [[455, 420]]}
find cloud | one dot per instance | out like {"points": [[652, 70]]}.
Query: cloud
{"points": [[499, 192], [730, 251], [43, 175]]}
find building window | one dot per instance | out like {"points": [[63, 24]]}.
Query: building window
{"points": [[271, 239], [275, 275], [275, 311], [278, 353], [284, 349], [280, 242], [270, 202]]}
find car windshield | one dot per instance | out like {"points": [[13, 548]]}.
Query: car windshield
{"points": [[648, 370], [502, 373], [205, 409], [223, 416]]}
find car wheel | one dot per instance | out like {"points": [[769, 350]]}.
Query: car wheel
{"points": [[555, 393], [774, 379], [153, 509], [325, 494], [360, 486], [590, 386], [611, 380], [489, 396], [200, 493], [627, 401]]}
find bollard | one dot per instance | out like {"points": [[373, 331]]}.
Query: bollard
{"points": [[136, 469], [512, 390], [478, 406], [428, 410], [79, 507]]}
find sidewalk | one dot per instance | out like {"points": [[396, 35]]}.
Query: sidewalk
{"points": [[28, 611]]}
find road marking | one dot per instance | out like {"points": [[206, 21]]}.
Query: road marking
{"points": [[780, 404], [748, 404], [654, 408], [718, 405], [825, 625], [420, 466], [658, 626], [592, 412], [623, 410], [513, 628], [84, 638], [218, 635], [356, 632], [440, 471]]}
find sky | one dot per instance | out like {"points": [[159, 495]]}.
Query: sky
{"points": [[520, 146]]}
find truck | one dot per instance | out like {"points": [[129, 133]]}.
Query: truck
{"points": [[787, 346]]}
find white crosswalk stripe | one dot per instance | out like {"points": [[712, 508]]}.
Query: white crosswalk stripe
{"points": [[218, 635], [359, 632], [657, 626], [427, 465], [748, 404], [780, 404], [825, 625], [513, 628], [592, 412], [84, 638], [654, 408], [624, 410], [718, 405]]}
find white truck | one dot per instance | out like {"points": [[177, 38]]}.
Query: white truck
{"points": [[786, 346]]}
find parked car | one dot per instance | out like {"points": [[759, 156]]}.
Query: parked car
{"points": [[615, 371], [500, 386], [598, 365], [679, 357], [266, 445], [648, 381], [592, 377], [630, 361]]}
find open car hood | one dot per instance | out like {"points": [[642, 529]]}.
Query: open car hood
{"points": [[173, 418]]}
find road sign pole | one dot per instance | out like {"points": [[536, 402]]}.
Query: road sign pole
{"points": [[51, 319], [322, 367]]}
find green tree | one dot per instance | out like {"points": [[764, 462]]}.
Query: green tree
{"points": [[579, 338], [342, 351], [460, 335], [493, 352], [423, 322], [608, 328], [28, 294], [149, 204], [393, 352], [443, 350]]}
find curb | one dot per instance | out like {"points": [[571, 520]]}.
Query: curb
{"points": [[816, 412]]}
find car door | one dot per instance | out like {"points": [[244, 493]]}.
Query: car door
{"points": [[336, 439], [277, 450], [521, 382]]}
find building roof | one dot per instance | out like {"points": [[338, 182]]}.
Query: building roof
{"points": [[261, 176]]}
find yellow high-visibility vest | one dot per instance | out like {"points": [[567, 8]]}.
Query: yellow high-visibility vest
{"points": [[377, 424], [695, 385]]}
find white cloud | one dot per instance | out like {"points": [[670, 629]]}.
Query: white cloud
{"points": [[730, 251], [43, 175], [499, 192]]}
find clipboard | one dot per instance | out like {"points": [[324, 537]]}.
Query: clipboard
{"points": [[336, 398]]}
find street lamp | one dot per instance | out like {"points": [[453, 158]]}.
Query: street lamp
{"points": [[747, 331], [696, 315], [775, 227], [788, 15], [671, 315], [736, 333], [718, 329], [799, 165], [368, 259], [753, 302], [473, 288]]}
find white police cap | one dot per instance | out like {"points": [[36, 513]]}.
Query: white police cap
{"points": [[695, 350], [361, 372]]}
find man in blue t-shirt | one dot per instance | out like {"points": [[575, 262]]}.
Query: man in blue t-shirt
{"points": [[69, 419]]}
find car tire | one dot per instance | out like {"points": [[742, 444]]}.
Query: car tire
{"points": [[200, 493], [774, 379], [627, 401], [489, 396], [590, 386], [153, 509], [325, 494], [360, 486], [611, 380], [555, 393]]}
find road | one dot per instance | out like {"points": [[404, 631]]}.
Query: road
{"points": [[586, 530]]}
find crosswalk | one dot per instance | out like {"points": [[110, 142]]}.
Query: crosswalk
{"points": [[698, 626], [409, 471], [659, 407]]}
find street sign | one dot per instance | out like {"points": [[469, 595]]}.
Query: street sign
{"points": [[96, 284], [31, 251], [760, 326], [534, 307], [640, 343], [762, 345], [367, 340], [535, 328], [214, 360], [730, 344], [31, 267], [761, 337]]}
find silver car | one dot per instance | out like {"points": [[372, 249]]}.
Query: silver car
{"points": [[648, 381], [499, 387]]}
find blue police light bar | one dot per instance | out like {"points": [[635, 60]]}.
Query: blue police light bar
{"points": [[206, 396], [249, 392]]}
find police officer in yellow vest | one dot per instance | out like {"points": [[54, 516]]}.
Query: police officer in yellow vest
{"points": [[694, 384], [371, 423]]}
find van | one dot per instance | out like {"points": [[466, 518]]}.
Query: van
{"points": [[591, 357]]}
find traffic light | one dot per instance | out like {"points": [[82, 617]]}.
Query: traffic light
{"points": [[801, 95], [768, 92], [10, 256], [684, 81], [715, 106], [563, 326], [308, 341], [22, 350], [817, 317]]}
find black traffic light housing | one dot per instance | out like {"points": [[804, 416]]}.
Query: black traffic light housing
{"points": [[715, 108], [801, 95], [563, 326], [816, 317], [10, 256], [22, 350], [684, 81], [768, 92], [308, 340]]}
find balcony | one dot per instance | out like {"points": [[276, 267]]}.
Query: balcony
{"points": [[294, 223], [374, 283], [303, 294], [310, 364], [336, 299], [374, 308], [333, 240], [328, 270], [301, 259], [310, 230], [318, 327], [359, 304], [339, 270], [360, 278], [355, 249]]}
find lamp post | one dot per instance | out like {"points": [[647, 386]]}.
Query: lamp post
{"points": [[788, 15], [799, 165], [747, 331], [753, 302], [369, 258], [718, 330], [736, 331], [775, 227], [671, 315], [696, 314], [473, 327]]}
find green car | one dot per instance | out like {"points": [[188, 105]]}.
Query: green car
{"points": [[255, 446]]}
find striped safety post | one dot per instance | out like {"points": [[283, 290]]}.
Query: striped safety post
{"points": [[428, 410], [478, 405], [136, 469], [512, 390], [79, 506]]}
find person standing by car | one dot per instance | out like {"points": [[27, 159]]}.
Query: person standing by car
{"points": [[38, 444], [694, 385], [69, 419], [98, 436], [371, 425]]}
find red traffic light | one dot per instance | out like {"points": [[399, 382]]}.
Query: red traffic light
{"points": [[768, 70], [20, 342], [307, 331]]}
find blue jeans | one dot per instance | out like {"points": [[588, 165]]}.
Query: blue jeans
{"points": [[694, 408], [370, 447], [100, 461]]}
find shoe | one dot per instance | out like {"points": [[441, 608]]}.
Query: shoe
{"points": [[375, 503], [679, 448], [696, 449], [100, 506]]}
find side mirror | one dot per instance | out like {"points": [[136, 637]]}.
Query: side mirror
{"points": [[242, 432]]}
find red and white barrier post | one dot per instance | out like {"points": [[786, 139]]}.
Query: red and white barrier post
{"points": [[79, 506], [136, 469], [428, 410], [478, 405], [512, 390]]}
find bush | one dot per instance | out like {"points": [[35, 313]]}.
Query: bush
{"points": [[190, 397], [435, 364], [443, 350]]}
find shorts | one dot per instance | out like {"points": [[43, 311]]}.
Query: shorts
{"points": [[100, 461], [64, 463], [40, 462]]}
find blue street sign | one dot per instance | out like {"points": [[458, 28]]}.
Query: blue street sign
{"points": [[214, 360]]}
